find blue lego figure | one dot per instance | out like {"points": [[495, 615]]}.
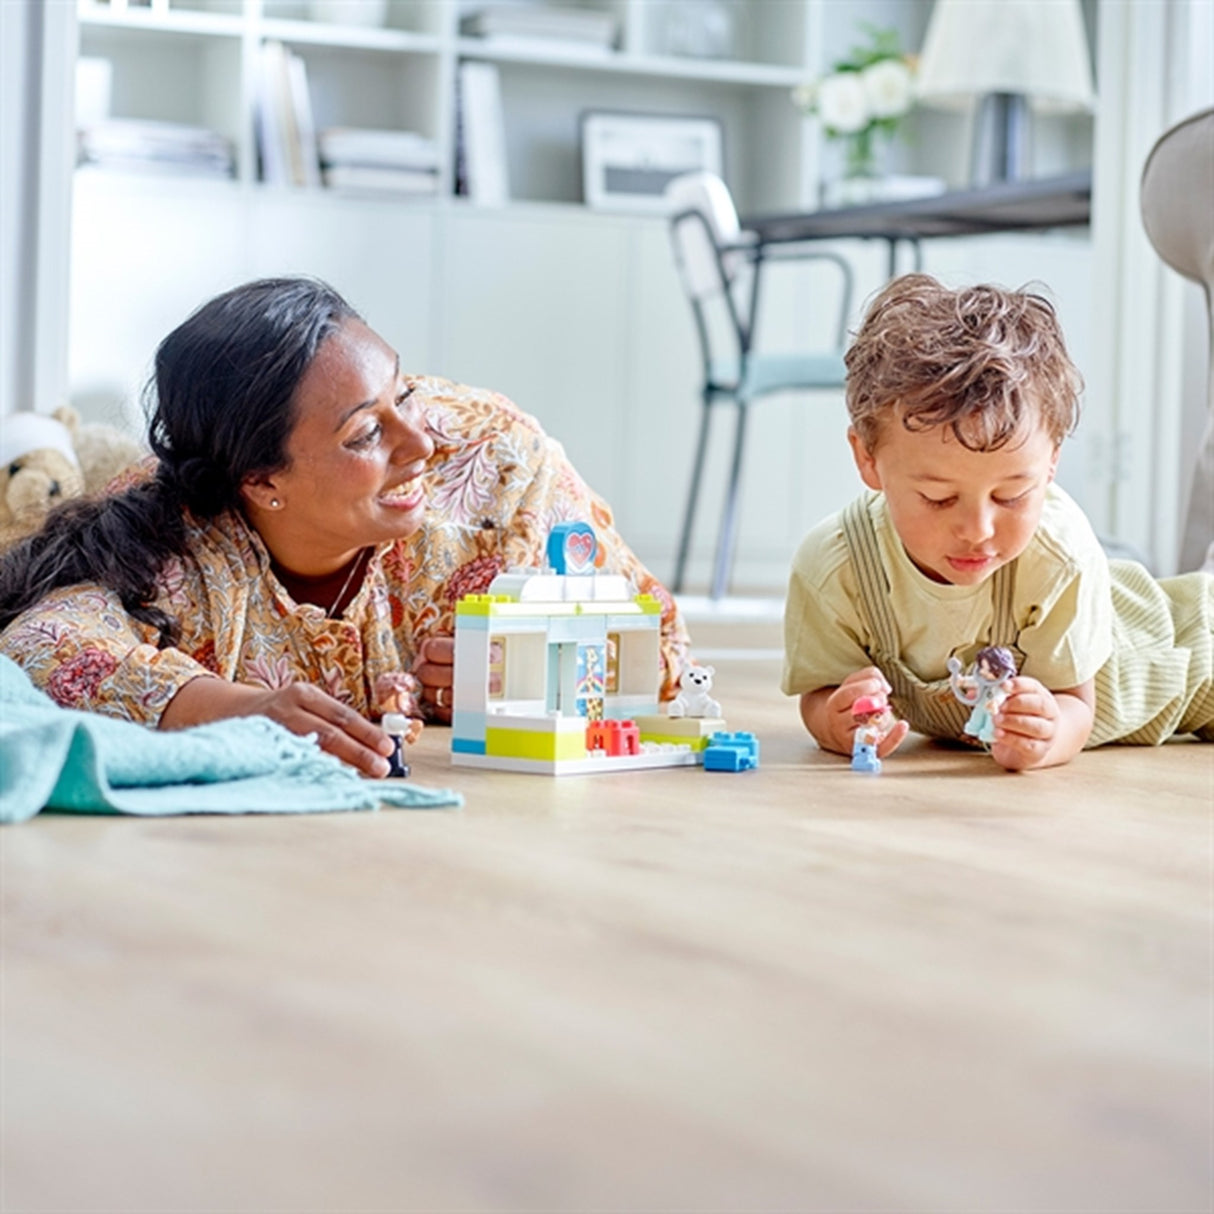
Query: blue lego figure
{"points": [[731, 752], [984, 687]]}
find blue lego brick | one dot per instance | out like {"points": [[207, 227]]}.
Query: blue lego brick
{"points": [[731, 752], [742, 739], [467, 746], [727, 758]]}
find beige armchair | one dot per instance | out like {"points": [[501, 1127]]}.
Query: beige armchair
{"points": [[1177, 199]]}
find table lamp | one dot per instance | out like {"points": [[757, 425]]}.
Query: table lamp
{"points": [[1005, 53]]}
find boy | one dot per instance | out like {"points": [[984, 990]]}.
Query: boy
{"points": [[959, 402]]}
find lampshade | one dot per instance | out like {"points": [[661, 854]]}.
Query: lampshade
{"points": [[1035, 48]]}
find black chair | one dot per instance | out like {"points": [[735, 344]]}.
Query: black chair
{"points": [[721, 268]]}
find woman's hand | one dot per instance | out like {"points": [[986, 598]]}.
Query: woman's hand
{"points": [[1036, 727], [299, 707], [435, 668], [827, 712]]}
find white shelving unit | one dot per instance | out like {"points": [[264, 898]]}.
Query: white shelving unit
{"points": [[195, 61]]}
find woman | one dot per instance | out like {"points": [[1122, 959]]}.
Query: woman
{"points": [[300, 541]]}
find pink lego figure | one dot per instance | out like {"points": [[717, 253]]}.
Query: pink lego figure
{"points": [[873, 720], [984, 687]]}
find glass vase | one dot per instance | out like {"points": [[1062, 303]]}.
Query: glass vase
{"points": [[861, 154]]}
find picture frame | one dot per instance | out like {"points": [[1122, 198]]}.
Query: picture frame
{"points": [[628, 159]]}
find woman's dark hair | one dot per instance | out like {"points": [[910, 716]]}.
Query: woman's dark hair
{"points": [[220, 405]]}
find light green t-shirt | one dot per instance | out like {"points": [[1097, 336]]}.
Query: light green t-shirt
{"points": [[1062, 605]]}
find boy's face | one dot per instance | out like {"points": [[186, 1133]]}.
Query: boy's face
{"points": [[960, 514]]}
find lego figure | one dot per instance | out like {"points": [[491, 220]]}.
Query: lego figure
{"points": [[873, 721], [403, 731], [397, 693], [693, 699], [984, 687]]}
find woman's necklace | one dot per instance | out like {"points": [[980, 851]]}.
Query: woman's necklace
{"points": [[358, 560]]}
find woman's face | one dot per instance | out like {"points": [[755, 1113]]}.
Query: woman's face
{"points": [[354, 458]]}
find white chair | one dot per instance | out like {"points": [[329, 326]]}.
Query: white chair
{"points": [[721, 269], [1177, 200]]}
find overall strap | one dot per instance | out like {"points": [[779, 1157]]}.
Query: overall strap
{"points": [[1003, 591], [861, 539]]}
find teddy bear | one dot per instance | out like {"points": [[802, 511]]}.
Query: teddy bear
{"points": [[693, 699], [48, 459]]}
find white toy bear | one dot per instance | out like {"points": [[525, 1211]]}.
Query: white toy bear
{"points": [[693, 699]]}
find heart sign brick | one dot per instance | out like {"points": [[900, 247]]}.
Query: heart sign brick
{"points": [[572, 548]]}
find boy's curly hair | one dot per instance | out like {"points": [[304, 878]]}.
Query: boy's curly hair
{"points": [[981, 360]]}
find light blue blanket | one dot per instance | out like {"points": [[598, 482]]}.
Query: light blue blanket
{"points": [[56, 758]]}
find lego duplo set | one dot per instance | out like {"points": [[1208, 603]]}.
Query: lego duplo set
{"points": [[556, 672]]}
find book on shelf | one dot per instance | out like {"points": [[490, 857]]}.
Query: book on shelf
{"points": [[546, 47], [160, 147], [364, 160], [482, 171], [375, 179], [286, 133], [590, 27], [307, 159], [387, 149]]}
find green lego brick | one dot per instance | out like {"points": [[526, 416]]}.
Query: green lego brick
{"points": [[524, 744]]}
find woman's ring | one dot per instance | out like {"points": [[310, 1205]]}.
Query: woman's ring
{"points": [[440, 697]]}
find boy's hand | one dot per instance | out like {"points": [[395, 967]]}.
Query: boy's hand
{"points": [[827, 712], [1036, 727]]}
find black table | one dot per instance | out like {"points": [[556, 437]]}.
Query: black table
{"points": [[1052, 202]]}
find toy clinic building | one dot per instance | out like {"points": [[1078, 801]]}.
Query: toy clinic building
{"points": [[558, 672]]}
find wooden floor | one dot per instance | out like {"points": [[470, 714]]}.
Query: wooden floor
{"points": [[940, 989]]}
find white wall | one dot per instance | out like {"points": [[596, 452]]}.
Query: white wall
{"points": [[37, 52]]}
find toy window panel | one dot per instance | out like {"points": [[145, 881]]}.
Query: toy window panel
{"points": [[612, 680], [590, 665], [497, 667], [628, 160], [522, 667], [639, 662]]}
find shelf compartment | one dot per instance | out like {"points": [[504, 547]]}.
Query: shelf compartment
{"points": [[170, 74], [357, 86], [543, 138]]}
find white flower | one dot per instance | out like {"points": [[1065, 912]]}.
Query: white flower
{"points": [[887, 88], [841, 103]]}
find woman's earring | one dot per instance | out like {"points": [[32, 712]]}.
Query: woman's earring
{"points": [[274, 503]]}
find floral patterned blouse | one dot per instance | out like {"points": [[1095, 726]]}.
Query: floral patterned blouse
{"points": [[497, 485]]}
